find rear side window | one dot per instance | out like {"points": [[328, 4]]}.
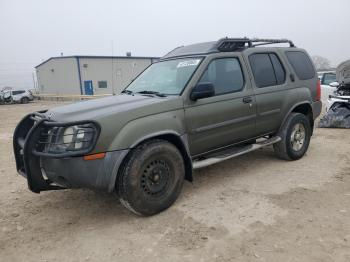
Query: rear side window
{"points": [[225, 74], [17, 92], [301, 64], [267, 70]]}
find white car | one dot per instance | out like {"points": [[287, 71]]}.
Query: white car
{"points": [[326, 78], [16, 96], [340, 95], [341, 87], [22, 96]]}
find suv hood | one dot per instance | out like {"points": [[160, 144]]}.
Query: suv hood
{"points": [[343, 73], [134, 105]]}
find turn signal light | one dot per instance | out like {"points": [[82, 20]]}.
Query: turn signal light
{"points": [[95, 156]]}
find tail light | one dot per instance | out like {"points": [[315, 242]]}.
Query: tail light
{"points": [[318, 92]]}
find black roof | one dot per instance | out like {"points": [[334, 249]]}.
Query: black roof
{"points": [[98, 57], [223, 45]]}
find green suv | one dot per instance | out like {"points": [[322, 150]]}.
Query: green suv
{"points": [[199, 105]]}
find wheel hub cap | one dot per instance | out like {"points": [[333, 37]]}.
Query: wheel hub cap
{"points": [[155, 178], [297, 138]]}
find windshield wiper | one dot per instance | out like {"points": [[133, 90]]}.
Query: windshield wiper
{"points": [[126, 91], [148, 92]]}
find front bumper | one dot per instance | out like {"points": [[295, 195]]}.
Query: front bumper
{"points": [[48, 172], [332, 99]]}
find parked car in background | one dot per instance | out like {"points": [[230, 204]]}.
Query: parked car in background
{"points": [[22, 96], [340, 86], [9, 96], [326, 78], [338, 102], [6, 96]]}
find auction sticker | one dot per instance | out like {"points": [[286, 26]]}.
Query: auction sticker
{"points": [[192, 62]]}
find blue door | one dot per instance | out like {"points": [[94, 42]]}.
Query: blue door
{"points": [[89, 89]]}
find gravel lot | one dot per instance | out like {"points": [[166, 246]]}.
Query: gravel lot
{"points": [[252, 208]]}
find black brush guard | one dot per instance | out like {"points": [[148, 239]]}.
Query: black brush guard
{"points": [[28, 165], [28, 155]]}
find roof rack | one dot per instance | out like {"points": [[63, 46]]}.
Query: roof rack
{"points": [[272, 41], [233, 44]]}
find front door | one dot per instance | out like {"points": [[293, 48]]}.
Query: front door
{"points": [[89, 89], [229, 116]]}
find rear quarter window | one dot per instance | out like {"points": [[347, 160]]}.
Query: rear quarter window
{"points": [[301, 64]]}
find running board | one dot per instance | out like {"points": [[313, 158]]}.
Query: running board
{"points": [[233, 152]]}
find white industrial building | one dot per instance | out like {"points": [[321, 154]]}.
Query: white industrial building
{"points": [[88, 75]]}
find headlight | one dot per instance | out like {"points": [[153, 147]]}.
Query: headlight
{"points": [[77, 138], [68, 135]]}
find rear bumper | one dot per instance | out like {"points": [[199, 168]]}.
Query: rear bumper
{"points": [[51, 173], [316, 109]]}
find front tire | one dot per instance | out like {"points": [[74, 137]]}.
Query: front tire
{"points": [[295, 135], [151, 177]]}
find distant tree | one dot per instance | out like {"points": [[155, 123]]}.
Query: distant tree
{"points": [[321, 63]]}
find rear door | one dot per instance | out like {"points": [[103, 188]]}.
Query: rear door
{"points": [[227, 117], [17, 95], [272, 88]]}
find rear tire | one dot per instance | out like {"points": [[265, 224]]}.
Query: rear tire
{"points": [[295, 135], [24, 100], [151, 178]]}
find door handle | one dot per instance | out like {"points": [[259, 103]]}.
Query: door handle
{"points": [[247, 99], [292, 77]]}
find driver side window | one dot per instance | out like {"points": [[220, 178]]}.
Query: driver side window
{"points": [[225, 74]]}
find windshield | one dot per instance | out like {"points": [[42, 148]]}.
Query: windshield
{"points": [[329, 78], [167, 77]]}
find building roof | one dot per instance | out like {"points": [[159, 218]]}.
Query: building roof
{"points": [[97, 57]]}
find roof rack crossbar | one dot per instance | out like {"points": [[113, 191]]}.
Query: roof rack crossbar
{"points": [[231, 44], [271, 41]]}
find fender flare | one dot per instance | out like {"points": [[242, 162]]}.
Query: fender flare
{"points": [[180, 141], [154, 135], [293, 108]]}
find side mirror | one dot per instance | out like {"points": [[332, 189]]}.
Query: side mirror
{"points": [[334, 84], [202, 90]]}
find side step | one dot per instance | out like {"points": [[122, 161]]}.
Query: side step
{"points": [[233, 152]]}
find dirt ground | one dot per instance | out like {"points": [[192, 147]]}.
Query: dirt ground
{"points": [[252, 208]]}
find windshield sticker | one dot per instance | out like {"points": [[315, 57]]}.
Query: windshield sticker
{"points": [[193, 62]]}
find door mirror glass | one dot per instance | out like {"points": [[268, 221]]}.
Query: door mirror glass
{"points": [[334, 84], [202, 90]]}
